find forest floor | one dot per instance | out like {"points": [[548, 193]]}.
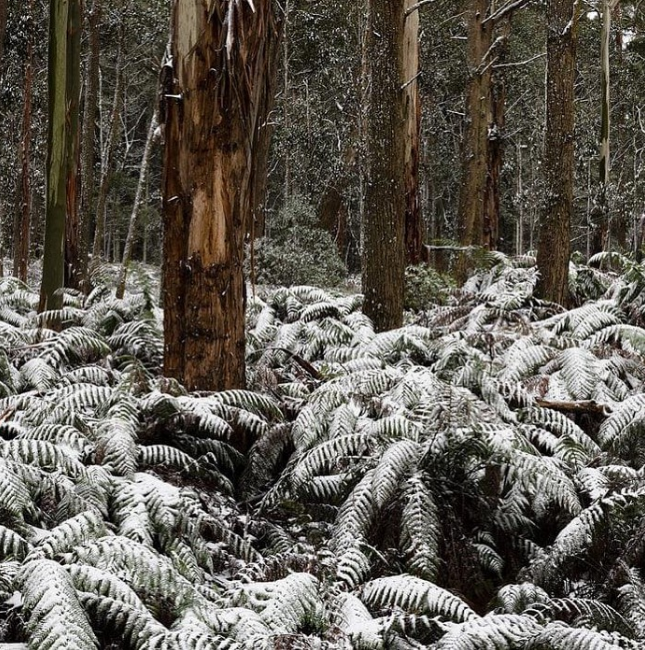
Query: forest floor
{"points": [[472, 480]]}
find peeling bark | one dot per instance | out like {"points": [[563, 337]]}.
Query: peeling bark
{"points": [[222, 56]]}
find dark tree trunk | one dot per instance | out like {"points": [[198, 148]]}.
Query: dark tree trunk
{"points": [[54, 252], [554, 240], [23, 216], [214, 101], [90, 104], [478, 119], [74, 268], [384, 216]]}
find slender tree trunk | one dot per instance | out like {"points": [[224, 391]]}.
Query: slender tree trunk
{"points": [[3, 27], [74, 268], [108, 155], [90, 106], [221, 52], [555, 227], [23, 217], [495, 137], [600, 232], [138, 201], [54, 252], [384, 224], [413, 221], [478, 118]]}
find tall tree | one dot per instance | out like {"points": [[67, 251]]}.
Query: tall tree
{"points": [[90, 105], [136, 207], [413, 220], [600, 232], [384, 215], [74, 267], [222, 57], [23, 217], [54, 255], [554, 240]]}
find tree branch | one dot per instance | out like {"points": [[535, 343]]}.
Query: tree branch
{"points": [[416, 7], [584, 406], [505, 10]]}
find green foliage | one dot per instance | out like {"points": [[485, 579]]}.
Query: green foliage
{"points": [[297, 251], [425, 287]]}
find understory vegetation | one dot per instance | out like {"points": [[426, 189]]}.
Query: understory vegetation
{"points": [[472, 480]]}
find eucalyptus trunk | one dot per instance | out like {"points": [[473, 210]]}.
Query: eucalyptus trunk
{"points": [[54, 249], [475, 143], [74, 267], [90, 105], [385, 137], [600, 227], [555, 227], [413, 221], [23, 215], [221, 53]]}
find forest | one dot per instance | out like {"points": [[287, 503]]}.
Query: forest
{"points": [[322, 324]]}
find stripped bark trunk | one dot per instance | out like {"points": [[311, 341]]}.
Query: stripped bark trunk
{"points": [[108, 154], [23, 216], [413, 221], [554, 240], [138, 201], [221, 53], [74, 269], [384, 215]]}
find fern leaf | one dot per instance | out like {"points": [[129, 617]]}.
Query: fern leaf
{"points": [[55, 617], [416, 595], [499, 631]]}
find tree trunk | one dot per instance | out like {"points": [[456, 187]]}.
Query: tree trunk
{"points": [[478, 119], [89, 128], [108, 154], [600, 226], [386, 130], [413, 222], [23, 216], [3, 27], [54, 252], [554, 239], [138, 201], [495, 137], [74, 268], [221, 53]]}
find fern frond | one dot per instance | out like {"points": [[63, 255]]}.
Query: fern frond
{"points": [[500, 631], [416, 595], [55, 617], [559, 636], [76, 530]]}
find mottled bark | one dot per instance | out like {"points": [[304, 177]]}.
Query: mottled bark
{"points": [[138, 201], [384, 215], [413, 221], [221, 53], [74, 268], [23, 217], [54, 251], [554, 239]]}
